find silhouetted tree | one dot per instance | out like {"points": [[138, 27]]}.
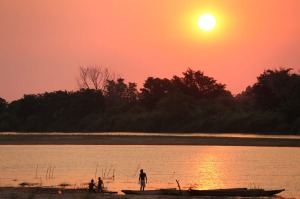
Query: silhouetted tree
{"points": [[117, 92], [275, 87], [5, 119], [154, 89], [175, 110], [278, 91], [3, 104], [25, 106], [85, 102], [196, 84], [56, 111], [94, 77], [192, 103]]}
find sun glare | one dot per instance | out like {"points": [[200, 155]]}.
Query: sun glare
{"points": [[207, 22]]}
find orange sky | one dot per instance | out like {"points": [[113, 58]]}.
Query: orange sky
{"points": [[43, 42]]}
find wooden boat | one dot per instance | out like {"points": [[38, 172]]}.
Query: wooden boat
{"points": [[178, 192], [148, 192], [109, 192], [241, 192], [55, 190], [234, 192], [86, 190], [188, 192]]}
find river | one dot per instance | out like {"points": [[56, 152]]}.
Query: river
{"points": [[199, 167]]}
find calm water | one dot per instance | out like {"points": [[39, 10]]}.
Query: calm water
{"points": [[201, 167]]}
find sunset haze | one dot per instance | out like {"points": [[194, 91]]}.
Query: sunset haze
{"points": [[43, 43]]}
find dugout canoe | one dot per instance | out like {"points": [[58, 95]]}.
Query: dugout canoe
{"points": [[148, 192], [239, 192]]}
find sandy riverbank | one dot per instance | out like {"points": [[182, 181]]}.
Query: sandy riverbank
{"points": [[39, 139], [54, 193]]}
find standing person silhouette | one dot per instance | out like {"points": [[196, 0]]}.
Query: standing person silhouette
{"points": [[142, 180], [100, 185]]}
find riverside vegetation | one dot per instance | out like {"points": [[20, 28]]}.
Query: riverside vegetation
{"points": [[191, 103]]}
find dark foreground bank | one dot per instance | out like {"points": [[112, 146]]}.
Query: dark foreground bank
{"points": [[55, 193], [39, 139]]}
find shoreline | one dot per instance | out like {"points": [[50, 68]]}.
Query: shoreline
{"points": [[39, 139], [57, 193]]}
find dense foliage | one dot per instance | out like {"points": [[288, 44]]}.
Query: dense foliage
{"points": [[191, 103]]}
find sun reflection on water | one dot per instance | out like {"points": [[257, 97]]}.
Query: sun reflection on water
{"points": [[209, 170]]}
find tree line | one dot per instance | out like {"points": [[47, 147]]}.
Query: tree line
{"points": [[190, 103]]}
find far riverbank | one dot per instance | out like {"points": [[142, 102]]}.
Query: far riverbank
{"points": [[98, 139]]}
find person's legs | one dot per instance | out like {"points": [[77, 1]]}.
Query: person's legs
{"points": [[143, 184]]}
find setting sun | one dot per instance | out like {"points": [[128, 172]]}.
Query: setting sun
{"points": [[206, 22]]}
